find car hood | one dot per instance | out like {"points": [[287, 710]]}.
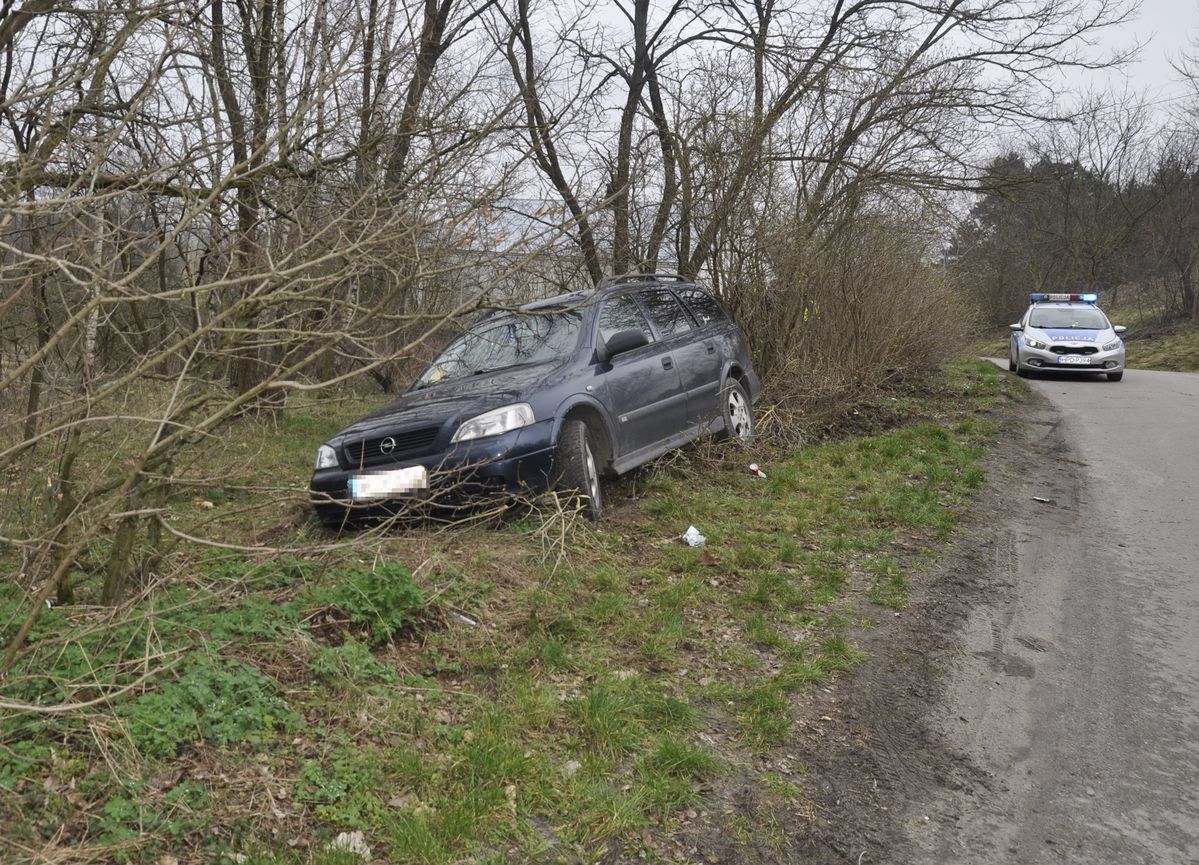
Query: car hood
{"points": [[457, 398], [1071, 334]]}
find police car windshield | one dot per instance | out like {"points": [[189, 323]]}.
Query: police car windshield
{"points": [[1081, 317], [506, 341]]}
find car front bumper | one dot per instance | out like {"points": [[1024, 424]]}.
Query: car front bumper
{"points": [[1043, 360], [511, 463]]}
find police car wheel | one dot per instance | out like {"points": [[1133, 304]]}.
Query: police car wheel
{"points": [[1011, 362], [1115, 376]]}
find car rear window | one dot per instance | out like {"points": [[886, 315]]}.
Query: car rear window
{"points": [[704, 306], [666, 312], [622, 313]]}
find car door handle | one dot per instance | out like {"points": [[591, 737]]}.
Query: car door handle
{"points": [[667, 363]]}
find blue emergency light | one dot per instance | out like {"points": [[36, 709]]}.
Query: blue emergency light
{"points": [[1085, 298]]}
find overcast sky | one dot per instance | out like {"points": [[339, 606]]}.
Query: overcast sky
{"points": [[1166, 28]]}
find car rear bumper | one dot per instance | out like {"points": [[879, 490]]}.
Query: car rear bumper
{"points": [[515, 462]]}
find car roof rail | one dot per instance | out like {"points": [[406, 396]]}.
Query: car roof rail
{"points": [[622, 278]]}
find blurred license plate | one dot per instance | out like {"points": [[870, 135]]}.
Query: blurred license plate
{"points": [[1073, 359], [396, 482]]}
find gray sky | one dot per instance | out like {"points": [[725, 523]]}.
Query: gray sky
{"points": [[1165, 27]]}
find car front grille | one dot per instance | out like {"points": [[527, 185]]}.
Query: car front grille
{"points": [[399, 446], [1073, 349]]}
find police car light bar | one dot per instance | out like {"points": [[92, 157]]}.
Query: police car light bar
{"points": [[1085, 298]]}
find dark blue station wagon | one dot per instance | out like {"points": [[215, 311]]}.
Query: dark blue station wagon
{"points": [[555, 396]]}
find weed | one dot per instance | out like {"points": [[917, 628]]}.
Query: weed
{"points": [[385, 600], [351, 662], [345, 788], [217, 701]]}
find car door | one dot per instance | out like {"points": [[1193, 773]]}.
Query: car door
{"points": [[692, 357], [713, 344], [643, 389]]}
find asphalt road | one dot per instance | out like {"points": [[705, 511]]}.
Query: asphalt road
{"points": [[1076, 690]]}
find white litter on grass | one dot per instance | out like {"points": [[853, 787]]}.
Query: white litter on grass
{"points": [[466, 620], [756, 472], [353, 842], [693, 538]]}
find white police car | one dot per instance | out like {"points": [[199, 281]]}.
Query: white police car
{"points": [[1066, 333]]}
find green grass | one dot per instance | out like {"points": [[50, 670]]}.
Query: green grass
{"points": [[1177, 351], [299, 698]]}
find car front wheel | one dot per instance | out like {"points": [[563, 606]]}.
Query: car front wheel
{"points": [[578, 475], [737, 410], [1115, 376]]}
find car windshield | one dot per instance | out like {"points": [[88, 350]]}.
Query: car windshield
{"points": [[1082, 317], [502, 342]]}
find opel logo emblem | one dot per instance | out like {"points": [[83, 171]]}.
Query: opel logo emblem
{"points": [[387, 445]]}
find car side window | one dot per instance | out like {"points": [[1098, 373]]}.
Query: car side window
{"points": [[666, 312], [622, 313], [703, 306]]}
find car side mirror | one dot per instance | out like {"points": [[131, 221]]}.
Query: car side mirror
{"points": [[1016, 326], [1119, 328], [625, 340]]}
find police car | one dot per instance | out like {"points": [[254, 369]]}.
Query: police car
{"points": [[1066, 333]]}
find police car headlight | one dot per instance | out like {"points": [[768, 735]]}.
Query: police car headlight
{"points": [[1034, 343], [1112, 346]]}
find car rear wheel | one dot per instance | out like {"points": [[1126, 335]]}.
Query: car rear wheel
{"points": [[578, 475], [737, 411], [1115, 376]]}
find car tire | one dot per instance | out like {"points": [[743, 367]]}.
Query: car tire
{"points": [[578, 475], [737, 412], [1115, 376], [1011, 361]]}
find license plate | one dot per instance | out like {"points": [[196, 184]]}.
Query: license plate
{"points": [[395, 482], [1073, 359]]}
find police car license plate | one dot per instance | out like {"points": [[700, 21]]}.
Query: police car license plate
{"points": [[1075, 359], [396, 482]]}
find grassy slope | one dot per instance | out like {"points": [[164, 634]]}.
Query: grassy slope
{"points": [[1177, 350], [539, 688]]}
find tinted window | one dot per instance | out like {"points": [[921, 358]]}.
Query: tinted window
{"points": [[666, 312], [622, 313], [705, 307]]}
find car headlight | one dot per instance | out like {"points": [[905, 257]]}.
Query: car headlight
{"points": [[326, 457], [492, 423], [1112, 346], [1034, 343]]}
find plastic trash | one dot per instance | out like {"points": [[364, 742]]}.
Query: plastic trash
{"points": [[756, 472], [693, 538], [466, 620]]}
